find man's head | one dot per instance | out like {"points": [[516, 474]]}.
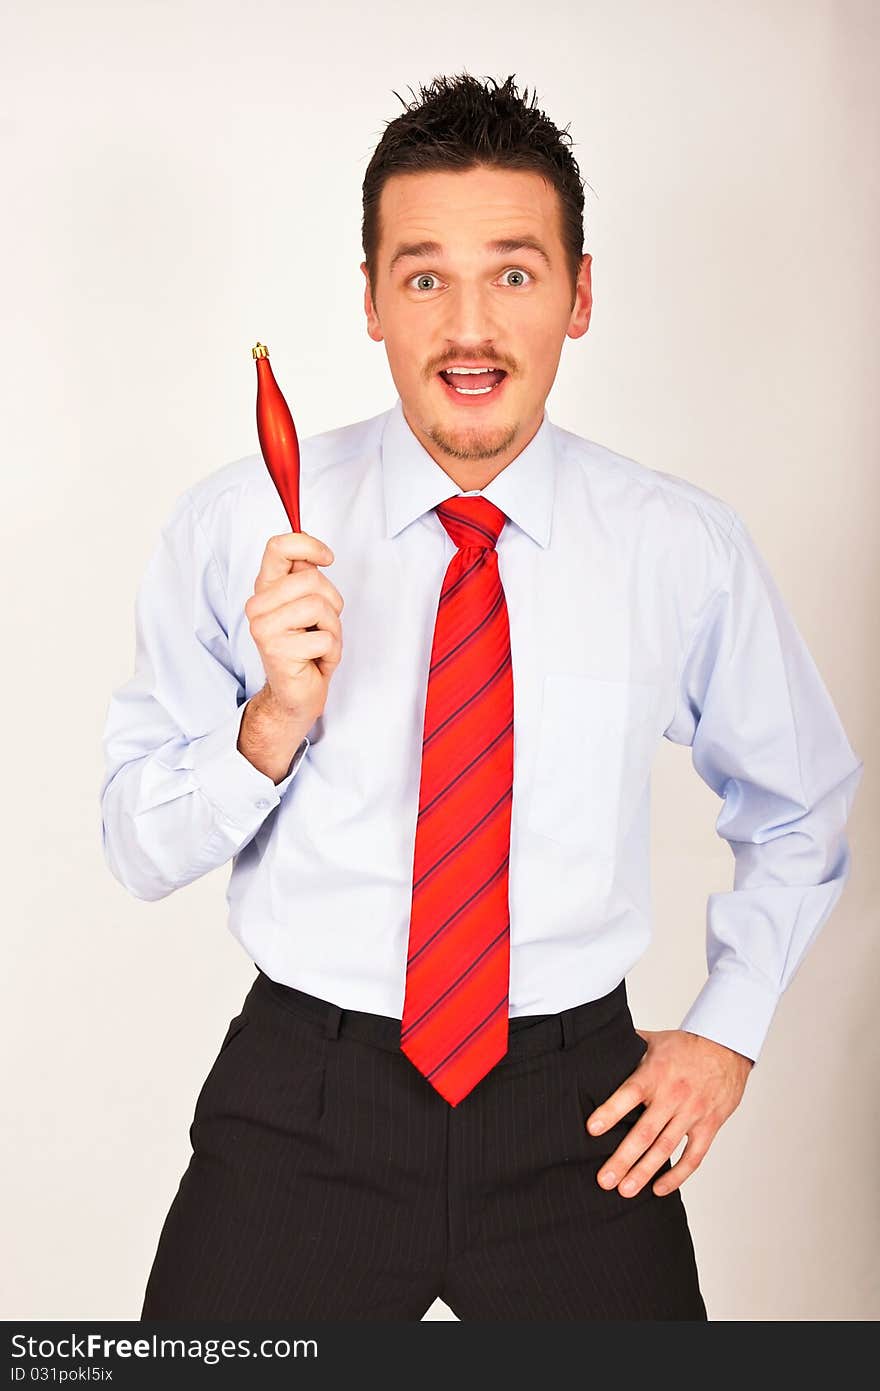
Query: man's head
{"points": [[465, 167]]}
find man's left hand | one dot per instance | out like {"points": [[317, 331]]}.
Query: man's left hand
{"points": [[690, 1085]]}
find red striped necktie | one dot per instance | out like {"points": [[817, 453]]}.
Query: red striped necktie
{"points": [[454, 1025]]}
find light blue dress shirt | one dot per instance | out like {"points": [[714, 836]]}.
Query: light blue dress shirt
{"points": [[639, 608]]}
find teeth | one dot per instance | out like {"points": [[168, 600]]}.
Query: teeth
{"points": [[470, 371]]}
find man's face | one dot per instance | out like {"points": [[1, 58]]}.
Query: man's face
{"points": [[469, 304]]}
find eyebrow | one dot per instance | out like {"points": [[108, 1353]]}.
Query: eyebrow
{"points": [[418, 249]]}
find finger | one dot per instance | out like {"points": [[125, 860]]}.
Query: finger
{"points": [[269, 594], [616, 1106], [309, 612], [283, 551], [634, 1144], [698, 1141], [654, 1157]]}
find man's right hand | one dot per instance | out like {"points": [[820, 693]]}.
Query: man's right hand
{"points": [[294, 620]]}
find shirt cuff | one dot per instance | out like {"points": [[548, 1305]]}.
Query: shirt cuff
{"points": [[735, 1009], [238, 790]]}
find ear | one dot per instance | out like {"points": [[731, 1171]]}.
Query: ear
{"points": [[579, 321], [374, 328]]}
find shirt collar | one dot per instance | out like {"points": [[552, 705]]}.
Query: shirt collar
{"points": [[414, 483]]}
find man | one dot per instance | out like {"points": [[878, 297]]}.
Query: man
{"points": [[440, 839]]}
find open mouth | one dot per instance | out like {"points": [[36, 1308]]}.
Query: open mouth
{"points": [[472, 387]]}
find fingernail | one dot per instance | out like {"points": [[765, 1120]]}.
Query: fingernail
{"points": [[594, 1127], [628, 1186], [609, 1180]]}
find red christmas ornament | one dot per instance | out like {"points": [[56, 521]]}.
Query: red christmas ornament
{"points": [[277, 434]]}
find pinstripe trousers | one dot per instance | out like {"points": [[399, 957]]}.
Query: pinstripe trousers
{"points": [[329, 1180]]}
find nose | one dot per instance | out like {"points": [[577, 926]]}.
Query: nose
{"points": [[469, 319]]}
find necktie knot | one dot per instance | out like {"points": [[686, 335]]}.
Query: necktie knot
{"points": [[472, 521]]}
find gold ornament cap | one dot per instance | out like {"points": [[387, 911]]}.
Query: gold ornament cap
{"points": [[260, 350]]}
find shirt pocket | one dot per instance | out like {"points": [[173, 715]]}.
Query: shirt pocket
{"points": [[595, 741]]}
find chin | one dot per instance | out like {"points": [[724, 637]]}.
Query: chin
{"points": [[477, 441]]}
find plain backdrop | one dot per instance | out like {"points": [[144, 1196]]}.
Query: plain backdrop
{"points": [[183, 180]]}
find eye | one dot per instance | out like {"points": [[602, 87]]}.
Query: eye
{"points": [[427, 275], [424, 275], [517, 270]]}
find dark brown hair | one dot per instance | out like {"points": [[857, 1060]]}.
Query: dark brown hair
{"points": [[459, 123]]}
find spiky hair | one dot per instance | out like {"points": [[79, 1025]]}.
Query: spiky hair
{"points": [[459, 123]]}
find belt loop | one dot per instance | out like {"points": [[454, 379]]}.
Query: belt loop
{"points": [[569, 1037], [334, 1018]]}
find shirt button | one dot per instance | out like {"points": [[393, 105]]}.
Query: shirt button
{"points": [[262, 803]]}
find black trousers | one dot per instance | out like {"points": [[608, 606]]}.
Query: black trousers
{"points": [[329, 1180]]}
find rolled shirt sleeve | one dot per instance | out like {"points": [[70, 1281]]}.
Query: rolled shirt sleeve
{"points": [[765, 736], [178, 798]]}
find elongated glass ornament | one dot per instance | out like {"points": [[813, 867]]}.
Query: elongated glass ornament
{"points": [[277, 433]]}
